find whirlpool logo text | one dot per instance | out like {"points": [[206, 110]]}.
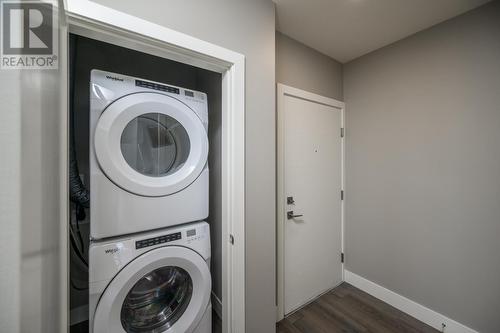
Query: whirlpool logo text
{"points": [[111, 251]]}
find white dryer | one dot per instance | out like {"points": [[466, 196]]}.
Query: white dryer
{"points": [[148, 155], [152, 282]]}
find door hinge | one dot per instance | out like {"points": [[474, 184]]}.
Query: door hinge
{"points": [[341, 194], [342, 257], [231, 239], [341, 132]]}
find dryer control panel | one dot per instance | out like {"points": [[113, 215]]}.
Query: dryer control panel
{"points": [[157, 86]]}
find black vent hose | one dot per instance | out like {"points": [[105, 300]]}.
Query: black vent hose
{"points": [[78, 193]]}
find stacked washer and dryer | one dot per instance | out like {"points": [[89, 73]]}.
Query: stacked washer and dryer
{"points": [[149, 260]]}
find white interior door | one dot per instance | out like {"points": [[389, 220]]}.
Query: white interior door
{"points": [[312, 182]]}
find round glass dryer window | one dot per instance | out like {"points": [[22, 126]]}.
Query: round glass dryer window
{"points": [[155, 144], [157, 300]]}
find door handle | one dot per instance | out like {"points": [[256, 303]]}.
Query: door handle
{"points": [[289, 215]]}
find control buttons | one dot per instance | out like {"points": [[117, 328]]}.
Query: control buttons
{"points": [[157, 240], [156, 86]]}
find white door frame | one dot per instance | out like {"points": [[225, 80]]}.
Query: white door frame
{"points": [[282, 92], [95, 21]]}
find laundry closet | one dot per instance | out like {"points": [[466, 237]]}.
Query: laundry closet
{"points": [[145, 224]]}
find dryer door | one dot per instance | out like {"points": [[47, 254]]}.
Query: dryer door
{"points": [[167, 288], [150, 144]]}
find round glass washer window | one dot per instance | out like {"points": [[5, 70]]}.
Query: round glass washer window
{"points": [[155, 144], [157, 300]]}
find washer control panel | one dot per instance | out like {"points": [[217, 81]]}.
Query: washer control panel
{"points": [[196, 235], [157, 240]]}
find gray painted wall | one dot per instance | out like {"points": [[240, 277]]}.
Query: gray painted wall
{"points": [[10, 194], [246, 27], [423, 167], [302, 67], [31, 254]]}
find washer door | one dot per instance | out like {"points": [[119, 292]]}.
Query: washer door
{"points": [[166, 288], [150, 144]]}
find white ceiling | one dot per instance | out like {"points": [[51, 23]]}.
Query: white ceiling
{"points": [[347, 29]]}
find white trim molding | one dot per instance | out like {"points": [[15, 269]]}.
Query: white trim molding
{"points": [[418, 311], [92, 20], [282, 91]]}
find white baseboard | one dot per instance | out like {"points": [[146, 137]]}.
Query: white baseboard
{"points": [[217, 305], [420, 312]]}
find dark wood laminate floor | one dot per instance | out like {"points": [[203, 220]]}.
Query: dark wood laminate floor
{"points": [[347, 309]]}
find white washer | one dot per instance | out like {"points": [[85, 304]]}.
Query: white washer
{"points": [[152, 282], [148, 155]]}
